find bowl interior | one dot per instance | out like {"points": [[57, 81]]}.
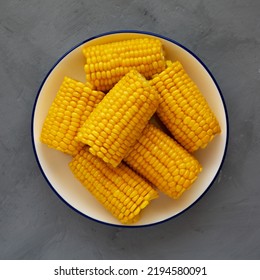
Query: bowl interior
{"points": [[54, 164]]}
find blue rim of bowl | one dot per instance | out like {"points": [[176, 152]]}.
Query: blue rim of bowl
{"points": [[144, 33]]}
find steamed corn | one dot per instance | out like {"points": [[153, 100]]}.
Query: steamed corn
{"points": [[72, 105], [163, 162], [183, 109], [107, 63], [121, 191], [118, 120]]}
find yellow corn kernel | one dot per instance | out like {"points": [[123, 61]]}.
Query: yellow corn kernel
{"points": [[163, 162], [183, 109], [113, 187], [122, 116], [107, 63], [72, 105]]}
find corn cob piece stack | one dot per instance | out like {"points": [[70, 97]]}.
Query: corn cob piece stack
{"points": [[163, 162], [121, 191], [118, 120], [107, 63], [183, 109], [72, 105]]}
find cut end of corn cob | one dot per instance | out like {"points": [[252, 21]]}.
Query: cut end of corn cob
{"points": [[163, 162], [107, 63], [118, 120], [72, 105], [183, 109], [121, 191]]}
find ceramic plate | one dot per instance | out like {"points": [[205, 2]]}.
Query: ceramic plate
{"points": [[54, 164]]}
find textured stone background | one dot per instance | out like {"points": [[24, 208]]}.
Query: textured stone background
{"points": [[35, 224]]}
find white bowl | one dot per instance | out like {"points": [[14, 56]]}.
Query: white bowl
{"points": [[54, 164]]}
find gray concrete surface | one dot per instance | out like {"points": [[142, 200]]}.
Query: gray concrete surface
{"points": [[35, 224]]}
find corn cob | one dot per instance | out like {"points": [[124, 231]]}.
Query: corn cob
{"points": [[107, 63], [120, 190], [72, 105], [183, 109], [163, 162], [118, 120]]}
